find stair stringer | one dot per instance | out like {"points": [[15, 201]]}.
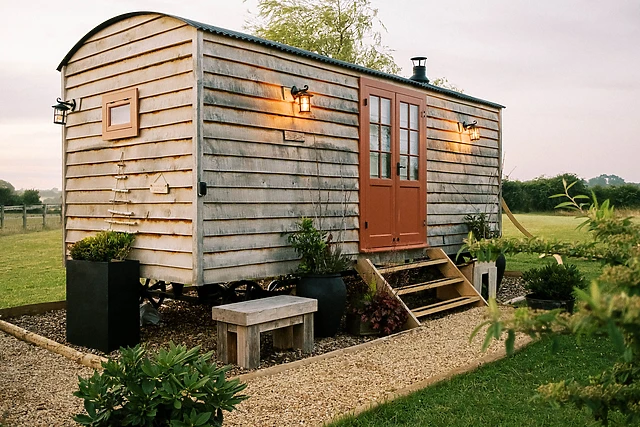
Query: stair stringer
{"points": [[464, 288], [369, 274]]}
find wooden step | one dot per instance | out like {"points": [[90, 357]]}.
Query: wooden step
{"points": [[417, 287], [444, 305], [412, 265]]}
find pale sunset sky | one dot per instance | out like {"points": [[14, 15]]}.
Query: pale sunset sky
{"points": [[567, 71]]}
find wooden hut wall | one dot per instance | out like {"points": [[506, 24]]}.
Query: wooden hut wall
{"points": [[463, 176], [154, 54], [266, 164]]}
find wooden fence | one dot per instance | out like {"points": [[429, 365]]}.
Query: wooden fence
{"points": [[25, 212]]}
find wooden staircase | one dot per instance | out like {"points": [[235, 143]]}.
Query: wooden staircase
{"points": [[424, 287]]}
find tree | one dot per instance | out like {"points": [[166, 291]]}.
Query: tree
{"points": [[444, 83], [31, 197], [610, 308], [339, 29], [605, 180]]}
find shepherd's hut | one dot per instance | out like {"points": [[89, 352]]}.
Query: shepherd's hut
{"points": [[195, 138]]}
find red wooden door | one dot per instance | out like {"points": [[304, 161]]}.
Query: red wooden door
{"points": [[393, 170]]}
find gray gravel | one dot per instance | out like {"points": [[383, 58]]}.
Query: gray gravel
{"points": [[36, 386]]}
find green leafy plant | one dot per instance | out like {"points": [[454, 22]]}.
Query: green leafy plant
{"points": [[104, 246], [480, 226], [318, 254], [610, 307], [553, 281], [178, 388]]}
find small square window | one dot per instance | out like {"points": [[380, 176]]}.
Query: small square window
{"points": [[120, 114]]}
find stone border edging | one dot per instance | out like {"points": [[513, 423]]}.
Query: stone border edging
{"points": [[392, 395], [87, 359]]}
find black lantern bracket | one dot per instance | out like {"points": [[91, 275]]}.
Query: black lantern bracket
{"points": [[297, 92], [61, 109]]}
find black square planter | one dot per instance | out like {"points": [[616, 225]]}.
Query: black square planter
{"points": [[102, 304]]}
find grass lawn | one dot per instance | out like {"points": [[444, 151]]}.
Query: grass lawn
{"points": [[499, 394], [560, 227], [31, 270]]}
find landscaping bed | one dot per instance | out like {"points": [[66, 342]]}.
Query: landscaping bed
{"points": [[191, 324]]}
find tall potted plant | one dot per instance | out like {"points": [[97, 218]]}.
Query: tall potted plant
{"points": [[102, 292], [321, 262]]}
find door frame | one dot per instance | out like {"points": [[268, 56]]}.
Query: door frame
{"points": [[366, 85]]}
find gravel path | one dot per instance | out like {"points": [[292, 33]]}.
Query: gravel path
{"points": [[317, 393], [36, 386]]}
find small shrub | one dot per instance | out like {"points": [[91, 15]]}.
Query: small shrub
{"points": [[480, 226], [175, 388], [384, 313], [104, 246], [554, 281], [318, 255]]}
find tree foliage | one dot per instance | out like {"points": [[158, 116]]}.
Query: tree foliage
{"points": [[340, 29], [444, 83], [605, 180], [31, 197], [611, 308]]}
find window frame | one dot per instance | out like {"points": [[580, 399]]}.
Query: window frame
{"points": [[118, 99]]}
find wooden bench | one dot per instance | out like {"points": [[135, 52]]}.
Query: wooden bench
{"points": [[240, 325]]}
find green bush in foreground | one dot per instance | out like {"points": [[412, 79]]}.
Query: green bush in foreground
{"points": [[176, 388], [611, 307]]}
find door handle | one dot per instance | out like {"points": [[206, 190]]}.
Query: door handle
{"points": [[398, 167]]}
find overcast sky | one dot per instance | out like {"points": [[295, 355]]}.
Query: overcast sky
{"points": [[567, 71]]}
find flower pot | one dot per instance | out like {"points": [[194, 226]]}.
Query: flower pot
{"points": [[102, 304], [355, 326], [546, 304], [331, 293]]}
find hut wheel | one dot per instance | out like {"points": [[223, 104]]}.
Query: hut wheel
{"points": [[153, 292], [243, 290]]}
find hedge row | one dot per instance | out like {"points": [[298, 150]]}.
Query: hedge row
{"points": [[533, 195]]}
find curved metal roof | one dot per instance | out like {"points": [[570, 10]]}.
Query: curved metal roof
{"points": [[279, 46]]}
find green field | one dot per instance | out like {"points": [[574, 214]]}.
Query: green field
{"points": [[560, 227], [31, 270], [13, 224]]}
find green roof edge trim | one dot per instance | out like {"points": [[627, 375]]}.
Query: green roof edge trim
{"points": [[279, 46]]}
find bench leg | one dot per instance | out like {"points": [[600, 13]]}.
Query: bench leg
{"points": [[303, 334], [283, 338], [248, 346], [222, 348]]}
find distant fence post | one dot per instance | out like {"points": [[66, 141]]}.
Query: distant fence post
{"points": [[44, 216], [1, 217], [24, 217]]}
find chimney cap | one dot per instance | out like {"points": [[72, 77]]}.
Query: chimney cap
{"points": [[419, 69]]}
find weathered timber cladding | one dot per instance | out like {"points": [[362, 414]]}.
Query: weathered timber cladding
{"points": [[463, 176], [153, 53], [214, 108], [259, 183]]}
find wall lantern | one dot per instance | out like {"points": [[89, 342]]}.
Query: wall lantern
{"points": [[61, 109], [303, 98], [474, 133]]}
